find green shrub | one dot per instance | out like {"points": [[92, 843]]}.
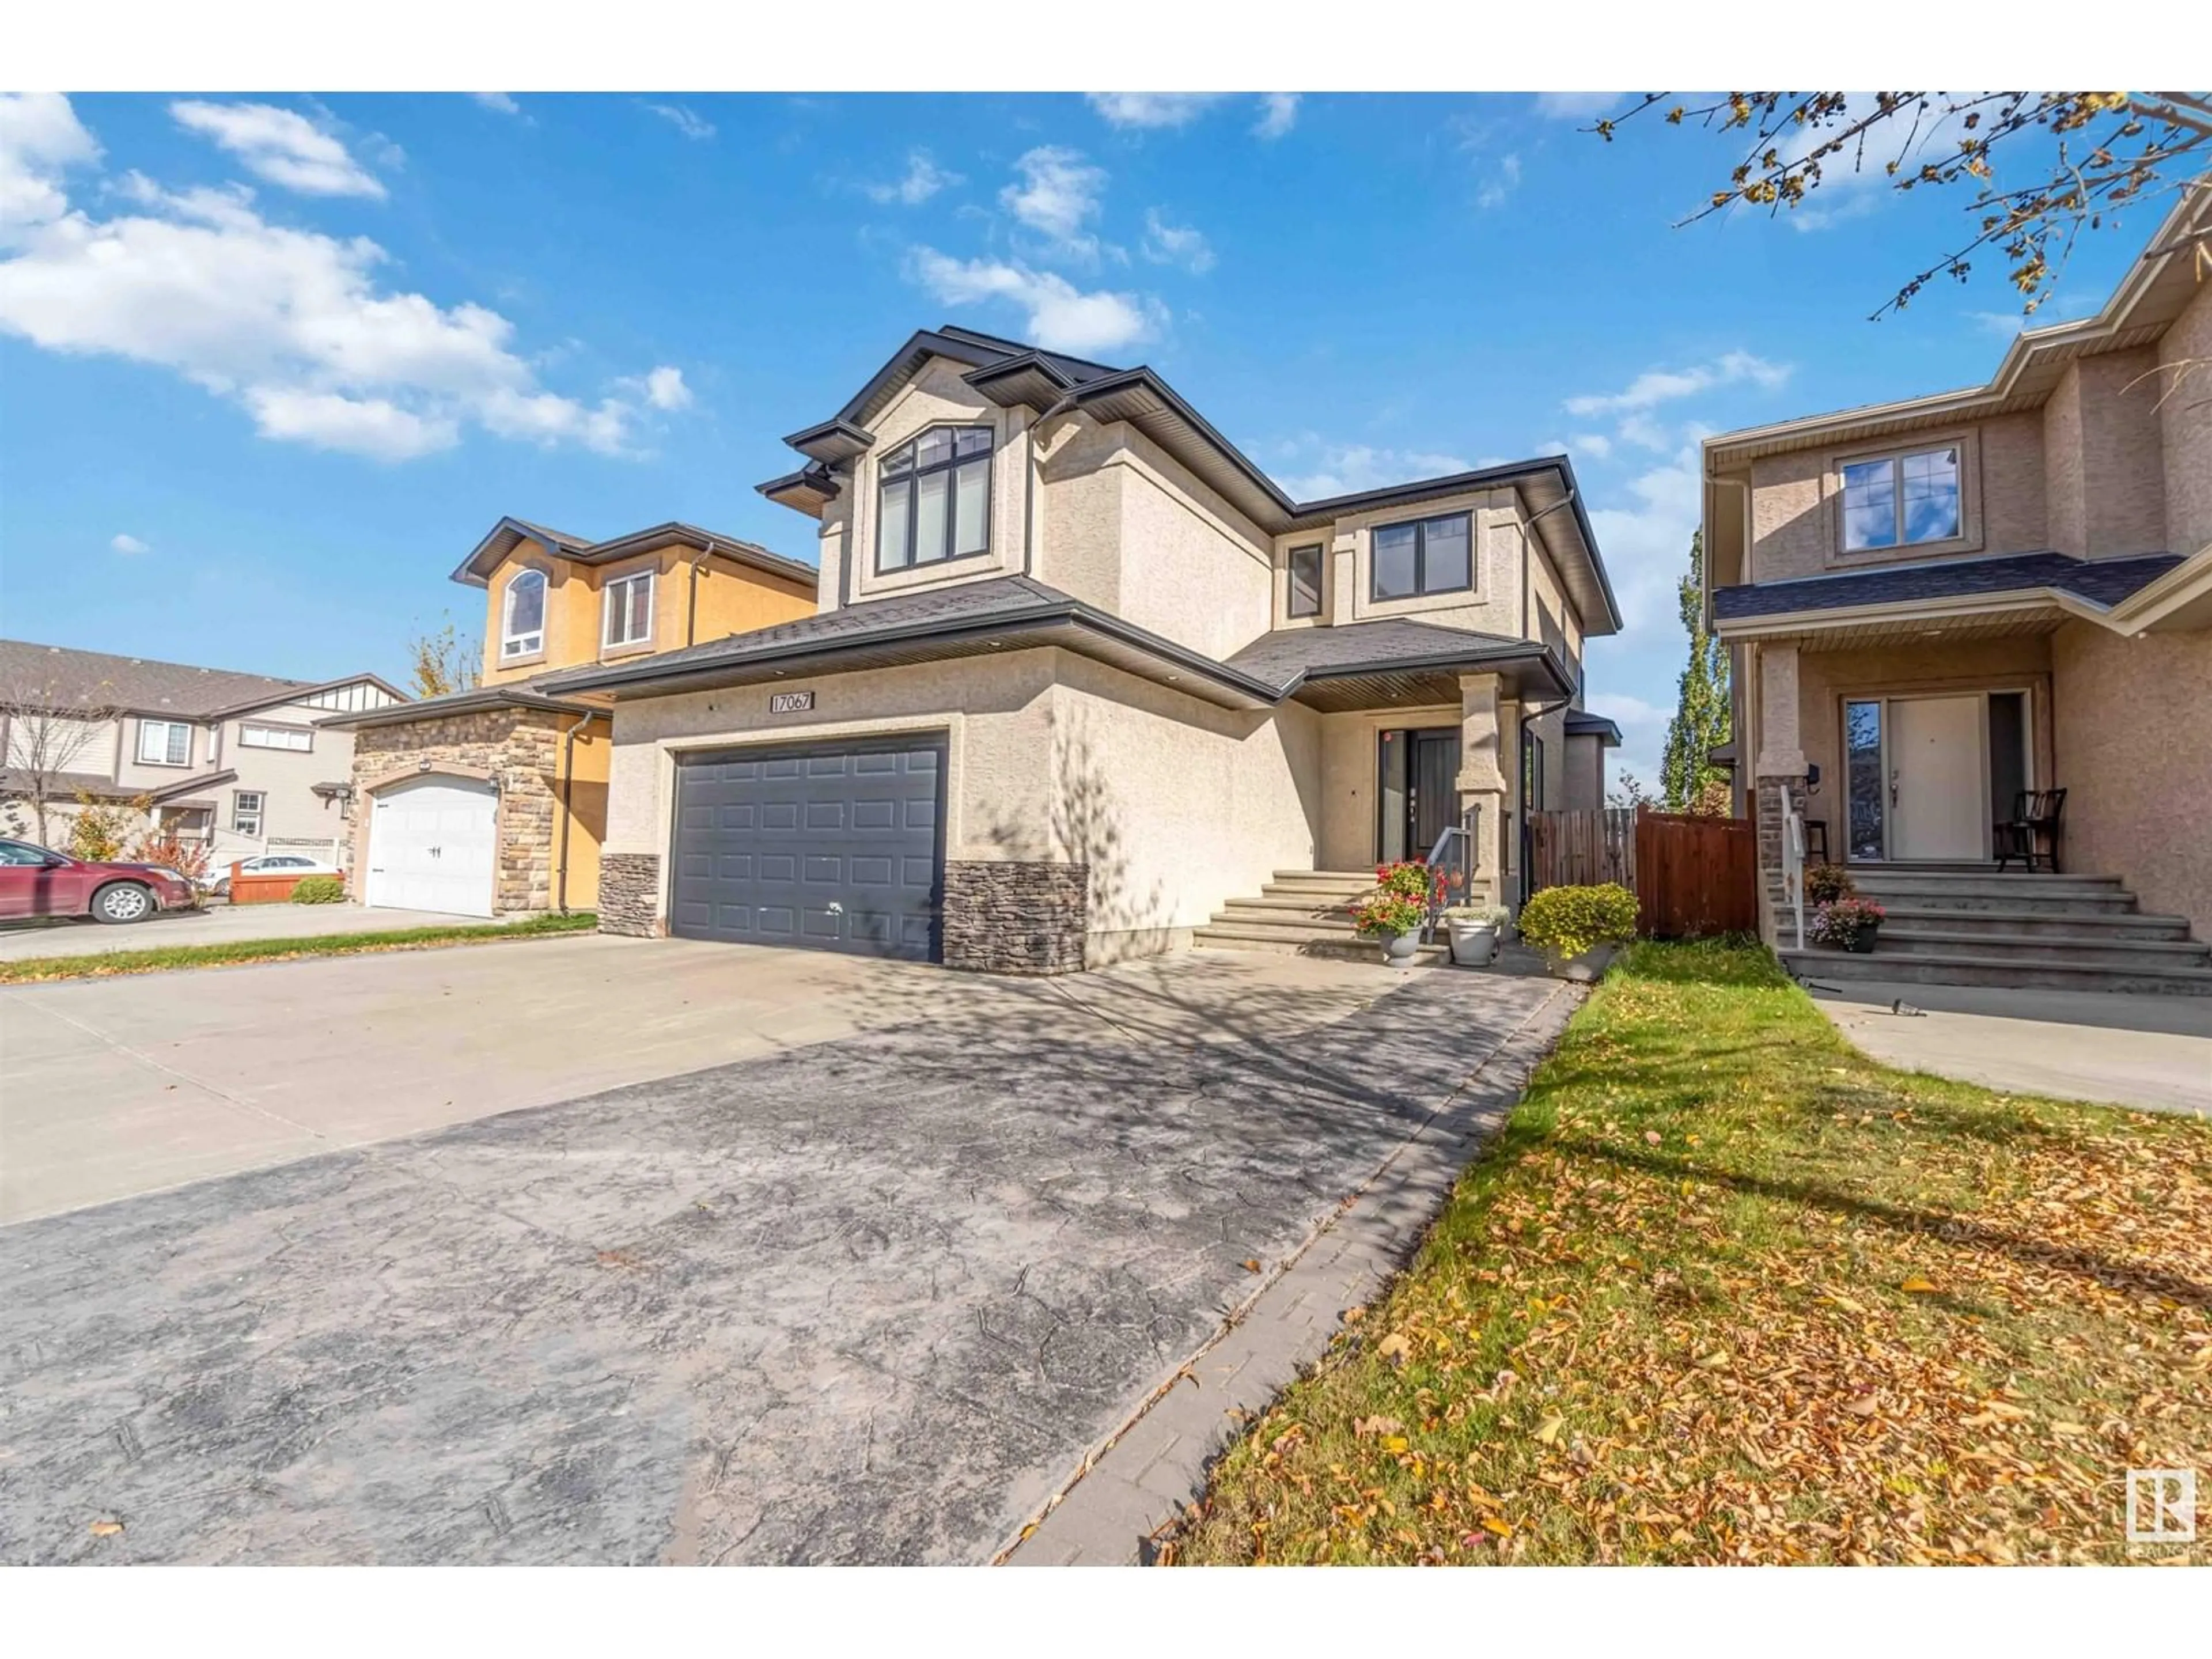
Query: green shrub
{"points": [[1826, 883], [1565, 921], [318, 889]]}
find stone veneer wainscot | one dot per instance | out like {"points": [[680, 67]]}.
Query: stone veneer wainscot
{"points": [[1007, 917], [629, 889], [520, 747]]}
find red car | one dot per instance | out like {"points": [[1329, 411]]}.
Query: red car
{"points": [[36, 883]]}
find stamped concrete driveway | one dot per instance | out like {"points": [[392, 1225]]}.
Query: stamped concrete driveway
{"points": [[871, 1298]]}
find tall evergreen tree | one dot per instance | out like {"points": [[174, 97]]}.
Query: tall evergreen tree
{"points": [[1688, 780]]}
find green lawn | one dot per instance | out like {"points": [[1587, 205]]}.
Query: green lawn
{"points": [[1724, 1289], [161, 958]]}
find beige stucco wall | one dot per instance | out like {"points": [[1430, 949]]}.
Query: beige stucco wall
{"points": [[71, 745], [1348, 778], [2106, 491], [2185, 426], [1176, 805], [2133, 752], [292, 814], [1585, 774], [1192, 569]]}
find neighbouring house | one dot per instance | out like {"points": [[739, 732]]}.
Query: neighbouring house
{"points": [[1937, 605], [1081, 675], [492, 800], [238, 763]]}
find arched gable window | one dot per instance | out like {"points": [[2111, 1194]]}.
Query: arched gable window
{"points": [[935, 501], [522, 618]]}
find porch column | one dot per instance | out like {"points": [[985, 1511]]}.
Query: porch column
{"points": [[1780, 763], [1483, 726]]}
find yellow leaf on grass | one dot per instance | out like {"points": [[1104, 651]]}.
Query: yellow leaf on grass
{"points": [[1394, 1346], [1394, 1443], [1503, 1528], [1549, 1431], [1918, 1284]]}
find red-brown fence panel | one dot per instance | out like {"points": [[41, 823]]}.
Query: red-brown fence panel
{"points": [[1582, 850], [1695, 875]]}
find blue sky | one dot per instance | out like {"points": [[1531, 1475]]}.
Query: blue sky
{"points": [[270, 366]]}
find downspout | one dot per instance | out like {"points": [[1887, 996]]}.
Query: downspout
{"points": [[568, 782], [1029, 493], [692, 614]]}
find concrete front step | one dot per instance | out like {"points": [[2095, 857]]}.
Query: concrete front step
{"points": [[1342, 946], [2090, 927], [1303, 903], [2044, 948], [1334, 889], [1245, 913], [2084, 901], [1979, 969]]}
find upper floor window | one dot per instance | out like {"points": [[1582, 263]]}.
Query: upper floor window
{"points": [[1429, 555], [522, 619], [630, 610], [164, 743], [274, 736], [1898, 499], [1305, 581], [936, 498]]}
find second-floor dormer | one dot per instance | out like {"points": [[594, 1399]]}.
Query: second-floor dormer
{"points": [[969, 458], [557, 601]]}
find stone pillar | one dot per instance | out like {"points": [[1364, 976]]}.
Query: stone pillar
{"points": [[1007, 916], [1484, 730], [1780, 764], [629, 893]]}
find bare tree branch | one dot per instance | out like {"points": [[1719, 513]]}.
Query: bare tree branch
{"points": [[50, 729]]}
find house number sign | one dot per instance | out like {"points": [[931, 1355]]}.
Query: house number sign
{"points": [[790, 702]]}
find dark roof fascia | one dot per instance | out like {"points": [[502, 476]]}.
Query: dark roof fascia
{"points": [[298, 692], [1580, 723], [1143, 375], [1060, 360], [475, 700], [706, 541], [2039, 574], [923, 345], [1468, 660], [515, 531], [162, 796], [1029, 619], [811, 480], [831, 442]]}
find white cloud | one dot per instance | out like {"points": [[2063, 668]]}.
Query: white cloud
{"points": [[40, 138], [685, 120], [1551, 447], [923, 179], [1176, 245], [279, 145], [1595, 445], [1061, 317], [1646, 544], [502, 101], [1278, 113], [1575, 106], [664, 389], [1501, 184], [1153, 109], [292, 325], [1642, 431], [129, 544], [1058, 194], [1662, 386], [1348, 469]]}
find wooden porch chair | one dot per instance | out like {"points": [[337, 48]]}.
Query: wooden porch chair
{"points": [[2031, 832]]}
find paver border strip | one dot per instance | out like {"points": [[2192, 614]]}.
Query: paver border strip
{"points": [[1141, 1473]]}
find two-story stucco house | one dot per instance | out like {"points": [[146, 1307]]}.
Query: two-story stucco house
{"points": [[1080, 675], [239, 762], [492, 800], [1939, 604]]}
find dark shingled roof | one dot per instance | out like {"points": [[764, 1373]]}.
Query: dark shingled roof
{"points": [[62, 678], [2100, 582], [1288, 655], [1580, 723]]}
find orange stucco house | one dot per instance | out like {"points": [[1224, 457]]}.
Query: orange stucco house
{"points": [[492, 800]]}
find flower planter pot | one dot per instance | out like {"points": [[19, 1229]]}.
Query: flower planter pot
{"points": [[1585, 969], [1473, 944], [1398, 948], [1862, 942]]}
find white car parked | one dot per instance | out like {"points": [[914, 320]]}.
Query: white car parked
{"points": [[269, 864]]}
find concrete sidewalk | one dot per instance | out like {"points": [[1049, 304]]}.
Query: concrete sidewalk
{"points": [[221, 924], [2151, 1052]]}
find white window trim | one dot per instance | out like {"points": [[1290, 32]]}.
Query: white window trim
{"points": [[609, 610], [240, 812], [244, 741], [513, 646], [146, 727]]}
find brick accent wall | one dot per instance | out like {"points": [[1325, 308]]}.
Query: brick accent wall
{"points": [[520, 747], [1773, 899], [630, 883], [1015, 918]]}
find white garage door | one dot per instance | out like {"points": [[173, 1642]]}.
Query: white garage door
{"points": [[432, 844]]}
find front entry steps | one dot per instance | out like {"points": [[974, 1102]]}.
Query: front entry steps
{"points": [[1977, 926], [1303, 912]]}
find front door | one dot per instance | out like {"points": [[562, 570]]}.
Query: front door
{"points": [[1419, 793], [1937, 799]]}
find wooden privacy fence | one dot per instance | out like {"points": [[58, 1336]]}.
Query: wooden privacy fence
{"points": [[1695, 875], [1582, 850]]}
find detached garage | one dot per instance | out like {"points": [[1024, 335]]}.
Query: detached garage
{"points": [[836, 846]]}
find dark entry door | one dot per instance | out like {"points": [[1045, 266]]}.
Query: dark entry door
{"points": [[1432, 803], [835, 848]]}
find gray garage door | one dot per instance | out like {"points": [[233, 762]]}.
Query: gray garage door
{"points": [[839, 847]]}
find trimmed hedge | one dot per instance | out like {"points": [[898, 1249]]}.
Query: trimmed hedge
{"points": [[1565, 921], [318, 889]]}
